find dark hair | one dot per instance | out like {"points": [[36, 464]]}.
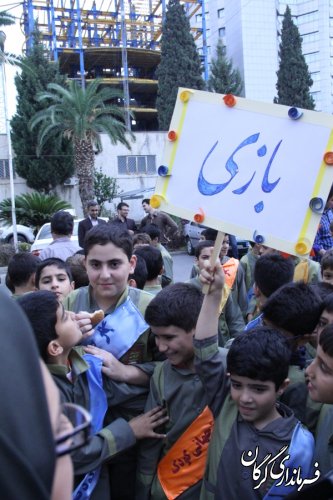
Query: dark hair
{"points": [[153, 258], [322, 288], [295, 307], [326, 261], [328, 303], [272, 271], [41, 310], [153, 231], [121, 205], [146, 200], [141, 239], [62, 223], [78, 270], [21, 267], [261, 354], [177, 305], [102, 234], [92, 203], [53, 261], [209, 234], [326, 339], [140, 272], [201, 245]]}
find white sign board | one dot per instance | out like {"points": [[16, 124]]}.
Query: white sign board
{"points": [[248, 169]]}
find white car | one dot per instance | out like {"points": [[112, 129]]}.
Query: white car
{"points": [[24, 234], [44, 237]]}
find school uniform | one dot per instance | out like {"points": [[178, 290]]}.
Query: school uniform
{"points": [[183, 394], [226, 478], [123, 468], [324, 440], [82, 300], [111, 439]]}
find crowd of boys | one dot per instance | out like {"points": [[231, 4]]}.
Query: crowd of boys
{"points": [[188, 398]]}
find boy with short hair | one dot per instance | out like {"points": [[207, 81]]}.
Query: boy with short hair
{"points": [[271, 271], [249, 423], [326, 267], [231, 321], [138, 278], [80, 380], [109, 260], [294, 309], [172, 316], [62, 224], [155, 235], [320, 386], [21, 273], [78, 271], [55, 275], [154, 263]]}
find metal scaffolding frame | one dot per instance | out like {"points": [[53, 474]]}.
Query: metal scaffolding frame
{"points": [[83, 26]]}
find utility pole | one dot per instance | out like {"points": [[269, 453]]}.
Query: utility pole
{"points": [[10, 156]]}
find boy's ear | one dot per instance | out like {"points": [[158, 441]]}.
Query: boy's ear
{"points": [[131, 282], [72, 285], [283, 386], [54, 348], [132, 263]]}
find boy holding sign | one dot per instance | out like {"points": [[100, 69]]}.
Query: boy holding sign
{"points": [[254, 438]]}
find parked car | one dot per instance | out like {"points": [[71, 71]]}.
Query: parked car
{"points": [[24, 234], [192, 232], [44, 236]]}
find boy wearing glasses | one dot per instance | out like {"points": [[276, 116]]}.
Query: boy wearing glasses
{"points": [[80, 381]]}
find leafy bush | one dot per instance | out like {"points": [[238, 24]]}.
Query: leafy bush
{"points": [[32, 209]]}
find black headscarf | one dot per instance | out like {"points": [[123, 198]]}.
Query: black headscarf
{"points": [[27, 452]]}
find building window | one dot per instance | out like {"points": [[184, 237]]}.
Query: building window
{"points": [[4, 169], [137, 165], [221, 32], [220, 13]]}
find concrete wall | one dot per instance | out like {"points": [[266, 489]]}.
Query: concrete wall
{"points": [[147, 143]]}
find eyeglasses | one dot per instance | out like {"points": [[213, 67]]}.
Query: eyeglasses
{"points": [[74, 431]]}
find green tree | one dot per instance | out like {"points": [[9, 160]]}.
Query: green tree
{"points": [[81, 115], [294, 81], [6, 19], [56, 164], [180, 62], [224, 79], [32, 209], [105, 188]]}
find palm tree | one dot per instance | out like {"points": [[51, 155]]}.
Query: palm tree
{"points": [[81, 115], [32, 209]]}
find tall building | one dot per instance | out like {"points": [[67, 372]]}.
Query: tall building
{"points": [[250, 30], [117, 41]]}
